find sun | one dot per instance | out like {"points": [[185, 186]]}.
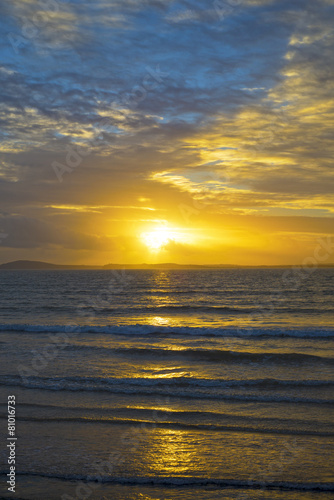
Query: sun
{"points": [[159, 237]]}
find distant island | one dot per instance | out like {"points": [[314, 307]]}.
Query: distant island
{"points": [[35, 265]]}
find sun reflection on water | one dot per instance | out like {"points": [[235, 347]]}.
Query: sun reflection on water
{"points": [[161, 321], [171, 454]]}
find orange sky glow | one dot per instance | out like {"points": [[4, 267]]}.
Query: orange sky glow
{"points": [[190, 141]]}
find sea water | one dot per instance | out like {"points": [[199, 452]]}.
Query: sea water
{"points": [[169, 384]]}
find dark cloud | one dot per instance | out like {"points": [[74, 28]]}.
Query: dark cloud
{"points": [[25, 232]]}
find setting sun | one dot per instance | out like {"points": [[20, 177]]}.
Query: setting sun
{"points": [[159, 237]]}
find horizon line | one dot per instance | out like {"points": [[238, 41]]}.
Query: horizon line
{"points": [[43, 265]]}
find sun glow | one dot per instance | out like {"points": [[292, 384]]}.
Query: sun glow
{"points": [[159, 237]]}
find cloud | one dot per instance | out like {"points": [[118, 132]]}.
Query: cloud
{"points": [[169, 102], [24, 232]]}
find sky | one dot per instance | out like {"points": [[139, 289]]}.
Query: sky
{"points": [[195, 132]]}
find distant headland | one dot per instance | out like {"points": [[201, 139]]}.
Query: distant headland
{"points": [[35, 265]]}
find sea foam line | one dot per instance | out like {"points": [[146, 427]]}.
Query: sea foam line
{"points": [[179, 425], [175, 481], [187, 391], [139, 329]]}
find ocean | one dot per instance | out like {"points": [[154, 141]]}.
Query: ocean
{"points": [[169, 384]]}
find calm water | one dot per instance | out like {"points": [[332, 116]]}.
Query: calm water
{"points": [[169, 384]]}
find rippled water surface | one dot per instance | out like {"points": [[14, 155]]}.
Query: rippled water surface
{"points": [[170, 384]]}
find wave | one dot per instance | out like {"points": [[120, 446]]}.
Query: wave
{"points": [[194, 415], [211, 420], [174, 481], [224, 292], [72, 329], [152, 424], [175, 308], [175, 387], [181, 381], [214, 355], [121, 308]]}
